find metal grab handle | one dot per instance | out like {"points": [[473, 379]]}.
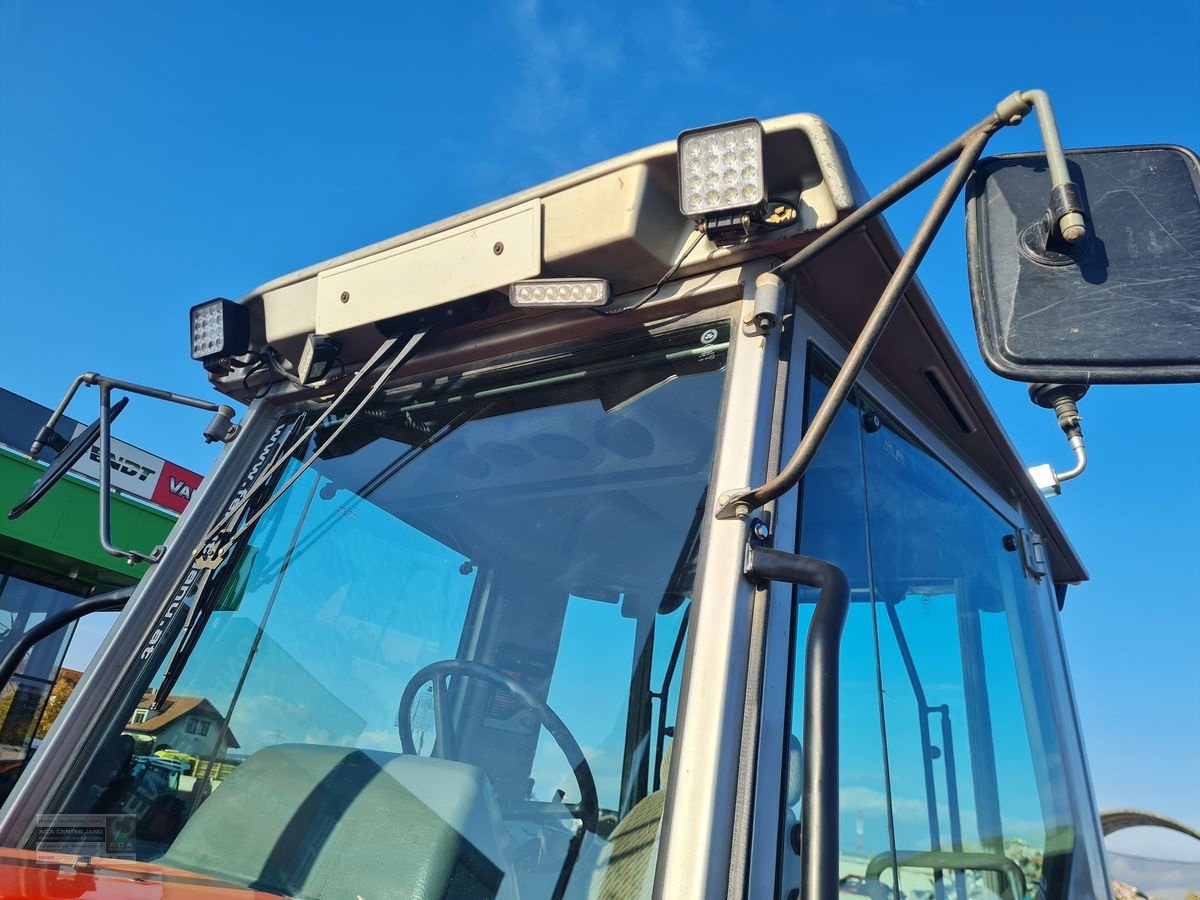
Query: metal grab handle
{"points": [[819, 852], [947, 859], [107, 602]]}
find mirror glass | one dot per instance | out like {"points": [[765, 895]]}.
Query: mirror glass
{"points": [[1122, 306]]}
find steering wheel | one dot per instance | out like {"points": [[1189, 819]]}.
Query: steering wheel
{"points": [[67, 457], [588, 808]]}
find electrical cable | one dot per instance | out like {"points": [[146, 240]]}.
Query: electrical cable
{"points": [[775, 226], [259, 365], [272, 359], [699, 233]]}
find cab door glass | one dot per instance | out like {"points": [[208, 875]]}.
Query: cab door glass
{"points": [[972, 753], [834, 527], [951, 781]]}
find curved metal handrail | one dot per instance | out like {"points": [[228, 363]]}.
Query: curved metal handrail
{"points": [[107, 602]]}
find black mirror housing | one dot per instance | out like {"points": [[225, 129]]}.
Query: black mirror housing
{"points": [[1121, 306]]}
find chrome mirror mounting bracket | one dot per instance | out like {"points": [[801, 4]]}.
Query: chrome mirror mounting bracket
{"points": [[220, 429]]}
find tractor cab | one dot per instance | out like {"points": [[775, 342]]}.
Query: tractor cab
{"points": [[480, 601]]}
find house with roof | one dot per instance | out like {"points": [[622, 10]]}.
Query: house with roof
{"points": [[189, 725]]}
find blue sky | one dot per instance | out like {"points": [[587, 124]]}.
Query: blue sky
{"points": [[154, 155]]}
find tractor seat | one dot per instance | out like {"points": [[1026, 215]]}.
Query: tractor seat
{"points": [[626, 867], [325, 822]]}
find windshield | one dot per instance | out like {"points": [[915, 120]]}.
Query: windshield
{"points": [[445, 663]]}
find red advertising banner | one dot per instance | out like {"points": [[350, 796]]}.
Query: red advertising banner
{"points": [[175, 486]]}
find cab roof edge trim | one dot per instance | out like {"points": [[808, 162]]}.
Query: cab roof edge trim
{"points": [[846, 192], [844, 187]]}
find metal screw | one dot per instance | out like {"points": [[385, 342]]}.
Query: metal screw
{"points": [[498, 248], [345, 298], [723, 500], [871, 422], [760, 530]]}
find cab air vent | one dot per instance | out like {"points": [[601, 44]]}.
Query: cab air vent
{"points": [[950, 399]]}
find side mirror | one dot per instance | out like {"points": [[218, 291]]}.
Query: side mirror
{"points": [[1120, 306], [68, 455]]}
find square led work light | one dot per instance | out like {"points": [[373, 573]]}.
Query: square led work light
{"points": [[220, 328], [721, 168]]}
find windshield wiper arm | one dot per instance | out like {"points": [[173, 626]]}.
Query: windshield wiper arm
{"points": [[216, 545], [219, 537], [207, 591]]}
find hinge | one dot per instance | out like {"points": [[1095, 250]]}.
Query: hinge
{"points": [[1033, 553]]}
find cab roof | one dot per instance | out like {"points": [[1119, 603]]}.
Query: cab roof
{"points": [[620, 220]]}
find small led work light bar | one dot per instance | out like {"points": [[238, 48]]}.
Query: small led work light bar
{"points": [[560, 292], [220, 328], [318, 355], [721, 168]]}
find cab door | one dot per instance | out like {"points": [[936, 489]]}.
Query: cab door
{"points": [[954, 777]]}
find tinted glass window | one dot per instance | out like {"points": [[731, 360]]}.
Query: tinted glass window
{"points": [[950, 779], [445, 655]]}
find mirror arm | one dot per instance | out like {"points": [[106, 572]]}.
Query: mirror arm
{"points": [[221, 428], [902, 188], [133, 557], [47, 436], [1065, 213], [740, 503]]}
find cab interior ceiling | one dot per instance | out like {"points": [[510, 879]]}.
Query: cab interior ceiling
{"points": [[514, 493], [840, 287]]}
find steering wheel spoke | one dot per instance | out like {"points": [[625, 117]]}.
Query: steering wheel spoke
{"points": [[445, 745]]}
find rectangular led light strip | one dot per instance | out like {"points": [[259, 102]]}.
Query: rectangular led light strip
{"points": [[560, 292]]}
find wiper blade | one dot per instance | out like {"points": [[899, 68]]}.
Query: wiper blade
{"points": [[219, 536], [206, 579], [216, 546]]}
